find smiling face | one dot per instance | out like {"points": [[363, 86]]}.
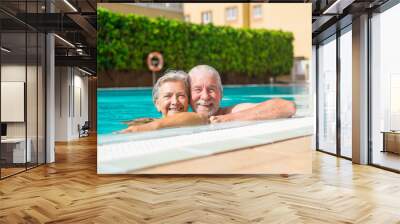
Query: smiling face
{"points": [[205, 93], [172, 98]]}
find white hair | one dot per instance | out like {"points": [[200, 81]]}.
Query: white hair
{"points": [[170, 76], [207, 69]]}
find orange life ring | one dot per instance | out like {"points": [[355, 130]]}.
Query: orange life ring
{"points": [[155, 67]]}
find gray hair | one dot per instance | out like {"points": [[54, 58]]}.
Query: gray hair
{"points": [[170, 76], [210, 70]]}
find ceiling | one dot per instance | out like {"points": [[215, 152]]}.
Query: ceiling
{"points": [[329, 15], [72, 20]]}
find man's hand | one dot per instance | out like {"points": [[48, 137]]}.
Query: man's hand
{"points": [[221, 118]]}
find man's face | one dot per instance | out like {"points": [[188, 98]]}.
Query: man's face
{"points": [[205, 94], [172, 98]]}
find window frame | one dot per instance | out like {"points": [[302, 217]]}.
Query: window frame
{"points": [[227, 14], [209, 16], [253, 15]]}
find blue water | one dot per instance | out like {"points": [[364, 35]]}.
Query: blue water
{"points": [[118, 105]]}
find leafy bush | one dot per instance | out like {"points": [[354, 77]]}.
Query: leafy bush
{"points": [[124, 42]]}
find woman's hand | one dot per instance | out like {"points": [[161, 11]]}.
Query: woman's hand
{"points": [[154, 125], [130, 129], [172, 121], [139, 121]]}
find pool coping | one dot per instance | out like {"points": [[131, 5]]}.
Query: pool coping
{"points": [[182, 147]]}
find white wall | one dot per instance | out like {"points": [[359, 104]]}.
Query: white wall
{"points": [[71, 94], [62, 81], [80, 110]]}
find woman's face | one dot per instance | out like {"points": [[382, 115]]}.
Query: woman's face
{"points": [[172, 98]]}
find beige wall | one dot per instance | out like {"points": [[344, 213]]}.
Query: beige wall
{"points": [[293, 17], [288, 17], [194, 10], [133, 9]]}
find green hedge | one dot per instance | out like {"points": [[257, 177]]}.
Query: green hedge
{"points": [[123, 43]]}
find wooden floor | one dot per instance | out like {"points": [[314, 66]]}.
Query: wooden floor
{"points": [[10, 171], [70, 191], [387, 159]]}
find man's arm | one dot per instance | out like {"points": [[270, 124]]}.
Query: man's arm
{"points": [[270, 109], [176, 120]]}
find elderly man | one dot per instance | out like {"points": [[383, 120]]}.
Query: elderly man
{"points": [[206, 94]]}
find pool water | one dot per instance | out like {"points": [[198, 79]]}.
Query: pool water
{"points": [[123, 104]]}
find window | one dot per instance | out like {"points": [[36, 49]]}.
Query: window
{"points": [[257, 12], [206, 17], [327, 95], [385, 88], [187, 18], [345, 83], [231, 14], [335, 94]]}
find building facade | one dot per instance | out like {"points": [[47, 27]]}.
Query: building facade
{"points": [[166, 10], [258, 16]]}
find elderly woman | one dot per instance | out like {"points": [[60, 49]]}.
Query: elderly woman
{"points": [[171, 93], [171, 98]]}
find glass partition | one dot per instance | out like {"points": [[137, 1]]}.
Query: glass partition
{"points": [[14, 153], [22, 89], [31, 100]]}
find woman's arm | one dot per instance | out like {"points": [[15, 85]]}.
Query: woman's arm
{"points": [[176, 120], [139, 121]]}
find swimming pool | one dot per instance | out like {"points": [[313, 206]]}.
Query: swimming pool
{"points": [[122, 104]]}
